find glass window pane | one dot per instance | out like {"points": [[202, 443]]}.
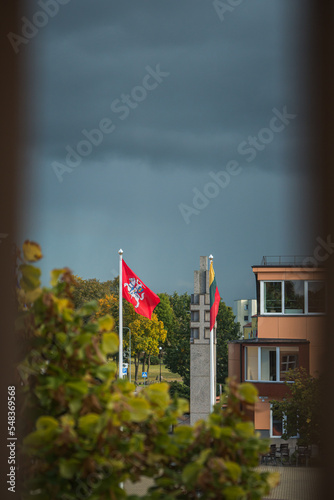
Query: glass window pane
{"points": [[273, 297], [277, 426], [252, 364], [194, 315], [194, 333], [294, 297], [288, 360], [316, 297], [268, 364]]}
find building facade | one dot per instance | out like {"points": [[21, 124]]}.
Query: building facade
{"points": [[243, 311], [290, 324]]}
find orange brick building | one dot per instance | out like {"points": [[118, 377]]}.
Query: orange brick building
{"points": [[291, 313]]}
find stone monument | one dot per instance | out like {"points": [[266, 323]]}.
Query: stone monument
{"points": [[200, 406]]}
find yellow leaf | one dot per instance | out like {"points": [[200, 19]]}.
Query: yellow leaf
{"points": [[273, 479], [30, 277], [32, 295], [109, 343], [106, 323], [55, 276], [31, 251]]}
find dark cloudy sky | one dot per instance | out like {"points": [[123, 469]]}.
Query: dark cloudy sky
{"points": [[221, 77]]}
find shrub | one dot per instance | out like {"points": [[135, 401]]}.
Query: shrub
{"points": [[179, 389], [85, 432]]}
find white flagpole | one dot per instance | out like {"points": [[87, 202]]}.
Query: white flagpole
{"points": [[212, 371], [120, 320]]}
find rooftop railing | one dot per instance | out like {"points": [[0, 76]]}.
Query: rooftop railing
{"points": [[288, 260]]}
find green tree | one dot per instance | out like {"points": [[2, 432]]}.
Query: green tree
{"points": [[146, 334], [92, 289], [300, 410], [165, 313], [227, 329], [86, 432], [177, 349]]}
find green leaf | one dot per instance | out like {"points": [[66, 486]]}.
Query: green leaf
{"points": [[140, 410], [30, 277], [158, 394], [80, 387], [234, 493], [245, 429], [55, 274], [234, 470], [109, 343], [190, 474], [67, 468], [203, 456], [88, 423], [46, 423], [88, 308], [75, 405], [248, 392]]}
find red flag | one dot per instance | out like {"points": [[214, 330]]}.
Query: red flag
{"points": [[138, 294]]}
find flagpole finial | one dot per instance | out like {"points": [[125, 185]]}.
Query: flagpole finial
{"points": [[120, 251], [211, 257]]}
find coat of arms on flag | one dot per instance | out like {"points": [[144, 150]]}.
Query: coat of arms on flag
{"points": [[136, 290], [137, 293]]}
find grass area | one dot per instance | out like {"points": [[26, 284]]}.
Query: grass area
{"points": [[154, 374]]}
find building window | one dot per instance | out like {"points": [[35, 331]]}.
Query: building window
{"points": [[195, 316], [252, 364], [195, 298], [245, 318], [206, 333], [288, 360], [292, 297], [273, 296], [246, 307], [316, 296], [194, 333], [270, 364], [207, 315], [276, 425]]}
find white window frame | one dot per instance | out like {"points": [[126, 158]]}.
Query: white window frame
{"points": [[283, 313], [278, 366]]}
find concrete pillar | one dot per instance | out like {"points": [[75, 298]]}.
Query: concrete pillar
{"points": [[200, 345]]}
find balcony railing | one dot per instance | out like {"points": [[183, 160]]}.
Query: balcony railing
{"points": [[289, 260]]}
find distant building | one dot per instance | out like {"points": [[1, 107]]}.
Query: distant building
{"points": [[243, 311], [289, 326], [247, 331]]}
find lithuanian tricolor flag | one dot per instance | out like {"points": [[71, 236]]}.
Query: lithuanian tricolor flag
{"points": [[214, 297]]}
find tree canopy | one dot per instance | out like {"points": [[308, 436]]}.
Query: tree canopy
{"points": [[146, 334], [300, 410]]}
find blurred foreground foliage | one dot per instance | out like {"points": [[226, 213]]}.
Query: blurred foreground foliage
{"points": [[85, 432]]}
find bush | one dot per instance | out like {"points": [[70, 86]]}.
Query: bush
{"points": [[86, 432], [155, 360], [179, 389]]}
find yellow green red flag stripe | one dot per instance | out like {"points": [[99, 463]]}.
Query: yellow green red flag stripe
{"points": [[214, 297]]}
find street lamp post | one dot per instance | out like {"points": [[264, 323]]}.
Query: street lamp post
{"points": [[160, 355]]}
